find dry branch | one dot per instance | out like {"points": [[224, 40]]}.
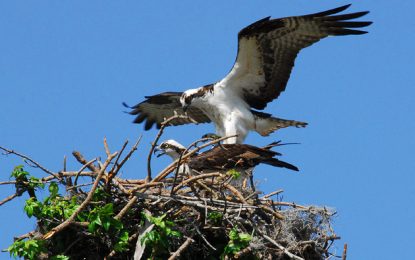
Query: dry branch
{"points": [[33, 162]]}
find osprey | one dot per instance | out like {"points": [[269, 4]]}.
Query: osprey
{"points": [[241, 157], [266, 53]]}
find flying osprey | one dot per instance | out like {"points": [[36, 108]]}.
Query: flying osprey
{"points": [[266, 53], [241, 157]]}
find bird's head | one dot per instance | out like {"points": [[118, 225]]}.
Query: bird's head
{"points": [[187, 98], [195, 97], [170, 147]]}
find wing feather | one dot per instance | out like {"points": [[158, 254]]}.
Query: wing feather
{"points": [[268, 48], [229, 156], [157, 108]]}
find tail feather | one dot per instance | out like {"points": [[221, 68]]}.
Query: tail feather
{"points": [[267, 125], [277, 163]]}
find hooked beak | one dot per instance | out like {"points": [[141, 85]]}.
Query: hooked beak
{"points": [[185, 107], [159, 151]]}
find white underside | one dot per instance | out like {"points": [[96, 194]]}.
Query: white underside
{"points": [[226, 106], [230, 114]]}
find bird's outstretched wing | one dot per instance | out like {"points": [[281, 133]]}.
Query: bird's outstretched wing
{"points": [[267, 50], [157, 108]]}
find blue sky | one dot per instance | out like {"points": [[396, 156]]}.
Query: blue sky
{"points": [[66, 67]]}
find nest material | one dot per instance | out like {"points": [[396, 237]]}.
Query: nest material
{"points": [[203, 208]]}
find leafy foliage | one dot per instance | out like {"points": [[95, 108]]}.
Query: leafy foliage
{"points": [[24, 181], [158, 238], [54, 209], [29, 249], [234, 173], [237, 242], [215, 216]]}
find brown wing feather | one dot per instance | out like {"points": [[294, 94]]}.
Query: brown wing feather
{"points": [[155, 109], [229, 156], [267, 50]]}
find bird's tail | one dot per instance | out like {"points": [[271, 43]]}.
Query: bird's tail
{"points": [[277, 163], [265, 124]]}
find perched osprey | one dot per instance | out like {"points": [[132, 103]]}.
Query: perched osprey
{"points": [[241, 157], [266, 53], [174, 150]]}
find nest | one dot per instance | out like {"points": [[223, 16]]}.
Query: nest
{"points": [[175, 216]]}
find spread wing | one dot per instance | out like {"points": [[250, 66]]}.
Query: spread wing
{"points": [[267, 50], [156, 109]]}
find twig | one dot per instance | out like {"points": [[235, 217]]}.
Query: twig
{"points": [[130, 153], [145, 185], [252, 194], [276, 214], [78, 156], [181, 248], [66, 223], [271, 194], [27, 235], [204, 238], [285, 250], [83, 168], [179, 162], [9, 198], [236, 207], [344, 256], [111, 172], [8, 151], [126, 208], [172, 166], [107, 149], [80, 185], [164, 124], [243, 252], [195, 178], [119, 185]]}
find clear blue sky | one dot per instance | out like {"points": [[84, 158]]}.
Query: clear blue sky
{"points": [[66, 66]]}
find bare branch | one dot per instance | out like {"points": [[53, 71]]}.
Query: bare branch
{"points": [[9, 198], [36, 164]]}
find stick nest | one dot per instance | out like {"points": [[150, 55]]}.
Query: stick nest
{"points": [[171, 216]]}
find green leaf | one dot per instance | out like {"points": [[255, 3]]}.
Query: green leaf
{"points": [[33, 208], [233, 234], [53, 189], [98, 220], [107, 209], [234, 173], [117, 224], [124, 236], [175, 234], [19, 173], [122, 243], [92, 227], [244, 237], [106, 225], [28, 249]]}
